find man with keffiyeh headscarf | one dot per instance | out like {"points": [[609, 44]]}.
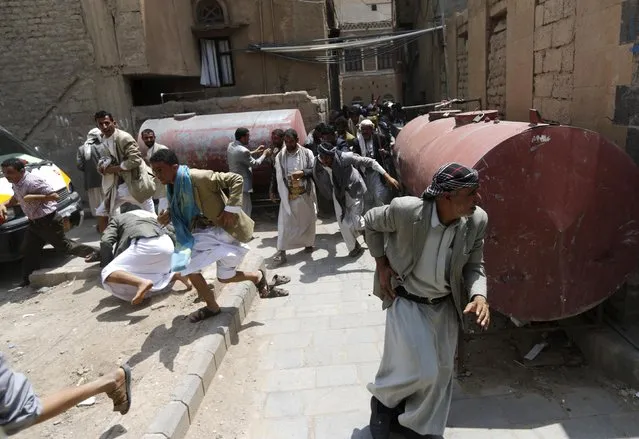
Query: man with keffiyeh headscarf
{"points": [[209, 227], [430, 272]]}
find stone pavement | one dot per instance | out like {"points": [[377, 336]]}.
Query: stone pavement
{"points": [[302, 363]]}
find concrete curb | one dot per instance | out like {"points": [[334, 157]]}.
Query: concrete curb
{"points": [[608, 351], [174, 419], [50, 277]]}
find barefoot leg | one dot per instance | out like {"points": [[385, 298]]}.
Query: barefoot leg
{"points": [[185, 280], [142, 285], [141, 292]]}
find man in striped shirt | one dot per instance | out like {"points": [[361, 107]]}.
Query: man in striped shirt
{"points": [[38, 201]]}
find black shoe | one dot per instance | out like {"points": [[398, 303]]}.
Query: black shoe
{"points": [[24, 283]]}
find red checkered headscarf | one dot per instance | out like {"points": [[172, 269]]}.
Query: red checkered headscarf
{"points": [[450, 177]]}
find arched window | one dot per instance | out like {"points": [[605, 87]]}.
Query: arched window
{"points": [[209, 12]]}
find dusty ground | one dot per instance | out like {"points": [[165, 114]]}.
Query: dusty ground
{"points": [[72, 333]]}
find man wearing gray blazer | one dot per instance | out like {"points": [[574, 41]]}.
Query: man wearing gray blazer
{"points": [[241, 161], [427, 250]]}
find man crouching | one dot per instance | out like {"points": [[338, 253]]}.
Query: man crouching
{"points": [[434, 244]]}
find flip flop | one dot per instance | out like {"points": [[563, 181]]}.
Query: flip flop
{"points": [[275, 292], [122, 407], [279, 279], [202, 314]]}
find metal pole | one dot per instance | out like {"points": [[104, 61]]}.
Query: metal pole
{"points": [[443, 15]]}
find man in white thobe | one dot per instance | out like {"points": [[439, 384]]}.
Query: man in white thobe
{"points": [[425, 250], [298, 214]]}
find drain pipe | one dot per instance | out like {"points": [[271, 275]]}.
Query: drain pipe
{"points": [[263, 55]]}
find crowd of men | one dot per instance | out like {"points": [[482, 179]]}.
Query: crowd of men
{"points": [[425, 248]]}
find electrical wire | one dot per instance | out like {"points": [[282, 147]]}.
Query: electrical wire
{"points": [[363, 42]]}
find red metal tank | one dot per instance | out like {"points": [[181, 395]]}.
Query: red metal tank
{"points": [[202, 141], [562, 203]]}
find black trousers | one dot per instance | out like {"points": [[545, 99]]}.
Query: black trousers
{"points": [[47, 230]]}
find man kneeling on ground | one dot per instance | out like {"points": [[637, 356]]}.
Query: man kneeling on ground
{"points": [[136, 251], [208, 228]]}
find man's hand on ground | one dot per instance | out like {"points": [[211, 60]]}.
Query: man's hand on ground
{"points": [[227, 219], [479, 306], [385, 273], [164, 218]]}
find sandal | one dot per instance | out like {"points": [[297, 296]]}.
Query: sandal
{"points": [[262, 286], [279, 259], [202, 314], [275, 292], [122, 395], [279, 279]]}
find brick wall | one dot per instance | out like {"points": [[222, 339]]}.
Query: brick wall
{"points": [[496, 82], [46, 88], [554, 52]]}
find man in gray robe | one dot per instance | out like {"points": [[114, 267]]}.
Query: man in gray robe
{"points": [[338, 175], [425, 249], [241, 161]]}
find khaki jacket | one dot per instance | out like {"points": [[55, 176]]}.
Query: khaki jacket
{"points": [[130, 157], [211, 200], [404, 225]]}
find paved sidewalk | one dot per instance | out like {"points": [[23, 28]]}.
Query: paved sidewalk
{"points": [[302, 363]]}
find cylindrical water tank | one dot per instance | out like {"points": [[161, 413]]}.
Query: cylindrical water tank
{"points": [[563, 210], [202, 141]]}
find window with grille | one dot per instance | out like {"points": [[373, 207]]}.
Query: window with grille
{"points": [[209, 12], [385, 60], [217, 63], [353, 60]]}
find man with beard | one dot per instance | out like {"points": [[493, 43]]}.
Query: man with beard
{"points": [[122, 172], [427, 251], [297, 216], [148, 137]]}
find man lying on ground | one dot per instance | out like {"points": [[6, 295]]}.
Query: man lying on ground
{"points": [[136, 251]]}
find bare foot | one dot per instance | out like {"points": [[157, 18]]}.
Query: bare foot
{"points": [[141, 292], [185, 280], [116, 379]]}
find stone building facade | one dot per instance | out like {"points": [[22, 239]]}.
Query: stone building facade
{"points": [[65, 59], [367, 72], [572, 60]]}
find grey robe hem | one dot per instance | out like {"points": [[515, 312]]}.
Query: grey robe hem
{"points": [[418, 363]]}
